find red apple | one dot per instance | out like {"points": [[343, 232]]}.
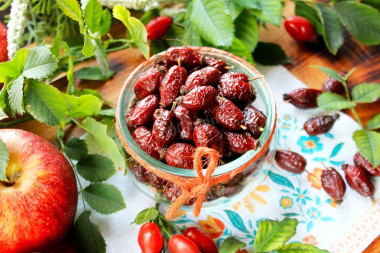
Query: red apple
{"points": [[38, 206]]}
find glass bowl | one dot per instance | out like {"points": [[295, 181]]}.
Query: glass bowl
{"points": [[256, 163]]}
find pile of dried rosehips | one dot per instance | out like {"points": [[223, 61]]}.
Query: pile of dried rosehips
{"points": [[186, 101]]}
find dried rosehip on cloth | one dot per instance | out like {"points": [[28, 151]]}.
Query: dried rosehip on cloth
{"points": [[290, 161], [333, 184], [303, 98], [358, 179], [360, 161], [333, 85], [320, 125]]}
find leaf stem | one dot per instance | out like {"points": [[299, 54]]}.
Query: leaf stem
{"points": [[352, 109], [15, 122]]}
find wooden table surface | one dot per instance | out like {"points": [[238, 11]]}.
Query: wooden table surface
{"points": [[365, 59]]}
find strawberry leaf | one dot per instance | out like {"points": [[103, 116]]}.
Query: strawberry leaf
{"points": [[4, 157], [96, 168]]}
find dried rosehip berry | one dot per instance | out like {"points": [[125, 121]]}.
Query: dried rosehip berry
{"points": [[320, 125], [186, 124], [172, 192], [180, 155], [239, 143], [144, 138], [154, 180], [143, 111], [290, 161], [227, 114], [139, 171], [254, 120], [236, 90], [360, 161], [206, 135], [171, 85], [188, 57], [234, 76], [148, 83], [199, 98], [303, 98], [358, 179], [300, 28], [202, 77], [158, 27], [216, 63], [333, 85], [333, 184], [164, 132]]}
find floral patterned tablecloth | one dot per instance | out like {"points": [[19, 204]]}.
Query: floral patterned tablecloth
{"points": [[348, 227]]}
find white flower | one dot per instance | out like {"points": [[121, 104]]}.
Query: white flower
{"points": [[16, 25]]}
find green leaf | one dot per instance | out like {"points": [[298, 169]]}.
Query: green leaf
{"points": [[247, 30], [14, 67], [368, 143], [98, 132], [76, 149], [149, 214], [87, 235], [3, 115], [366, 92], [231, 245], [93, 15], [272, 235], [361, 20], [270, 54], [271, 11], [304, 10], [297, 247], [45, 103], [331, 27], [71, 9], [238, 48], [374, 122], [93, 73], [15, 93], [107, 113], [250, 4], [88, 48], [211, 19], [4, 157], [233, 9], [40, 63], [335, 102], [373, 3], [158, 46], [96, 168], [149, 15], [105, 23], [330, 72], [104, 198], [70, 71], [56, 46], [83, 106], [191, 36]]}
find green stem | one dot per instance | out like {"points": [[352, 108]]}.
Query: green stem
{"points": [[15, 122], [352, 109], [79, 183]]}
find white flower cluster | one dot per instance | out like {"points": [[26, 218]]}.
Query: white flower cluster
{"points": [[16, 25], [135, 4]]}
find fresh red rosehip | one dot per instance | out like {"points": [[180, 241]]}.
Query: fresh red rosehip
{"points": [[148, 83], [204, 243], [144, 138], [358, 179], [3, 44], [234, 76], [216, 63], [290, 161], [164, 131], [202, 77], [185, 121], [182, 244], [143, 111], [320, 125], [333, 184], [170, 86], [360, 161], [158, 27], [150, 238], [303, 98], [180, 155], [188, 57], [236, 90], [172, 192], [207, 135], [300, 28], [199, 98], [254, 120], [333, 85], [227, 114], [239, 143]]}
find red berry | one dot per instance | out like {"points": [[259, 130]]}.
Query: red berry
{"points": [[150, 238], [143, 111], [182, 244], [180, 155], [360, 161], [199, 98], [300, 28], [3, 43], [239, 143], [303, 98], [144, 138], [236, 90], [254, 120], [139, 171], [227, 114], [154, 180], [333, 85], [207, 135], [148, 83], [186, 124], [234, 76], [171, 85], [202, 77], [358, 179], [333, 184], [158, 27], [172, 192], [290, 161], [188, 57], [320, 125], [204, 242], [164, 132], [218, 64]]}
